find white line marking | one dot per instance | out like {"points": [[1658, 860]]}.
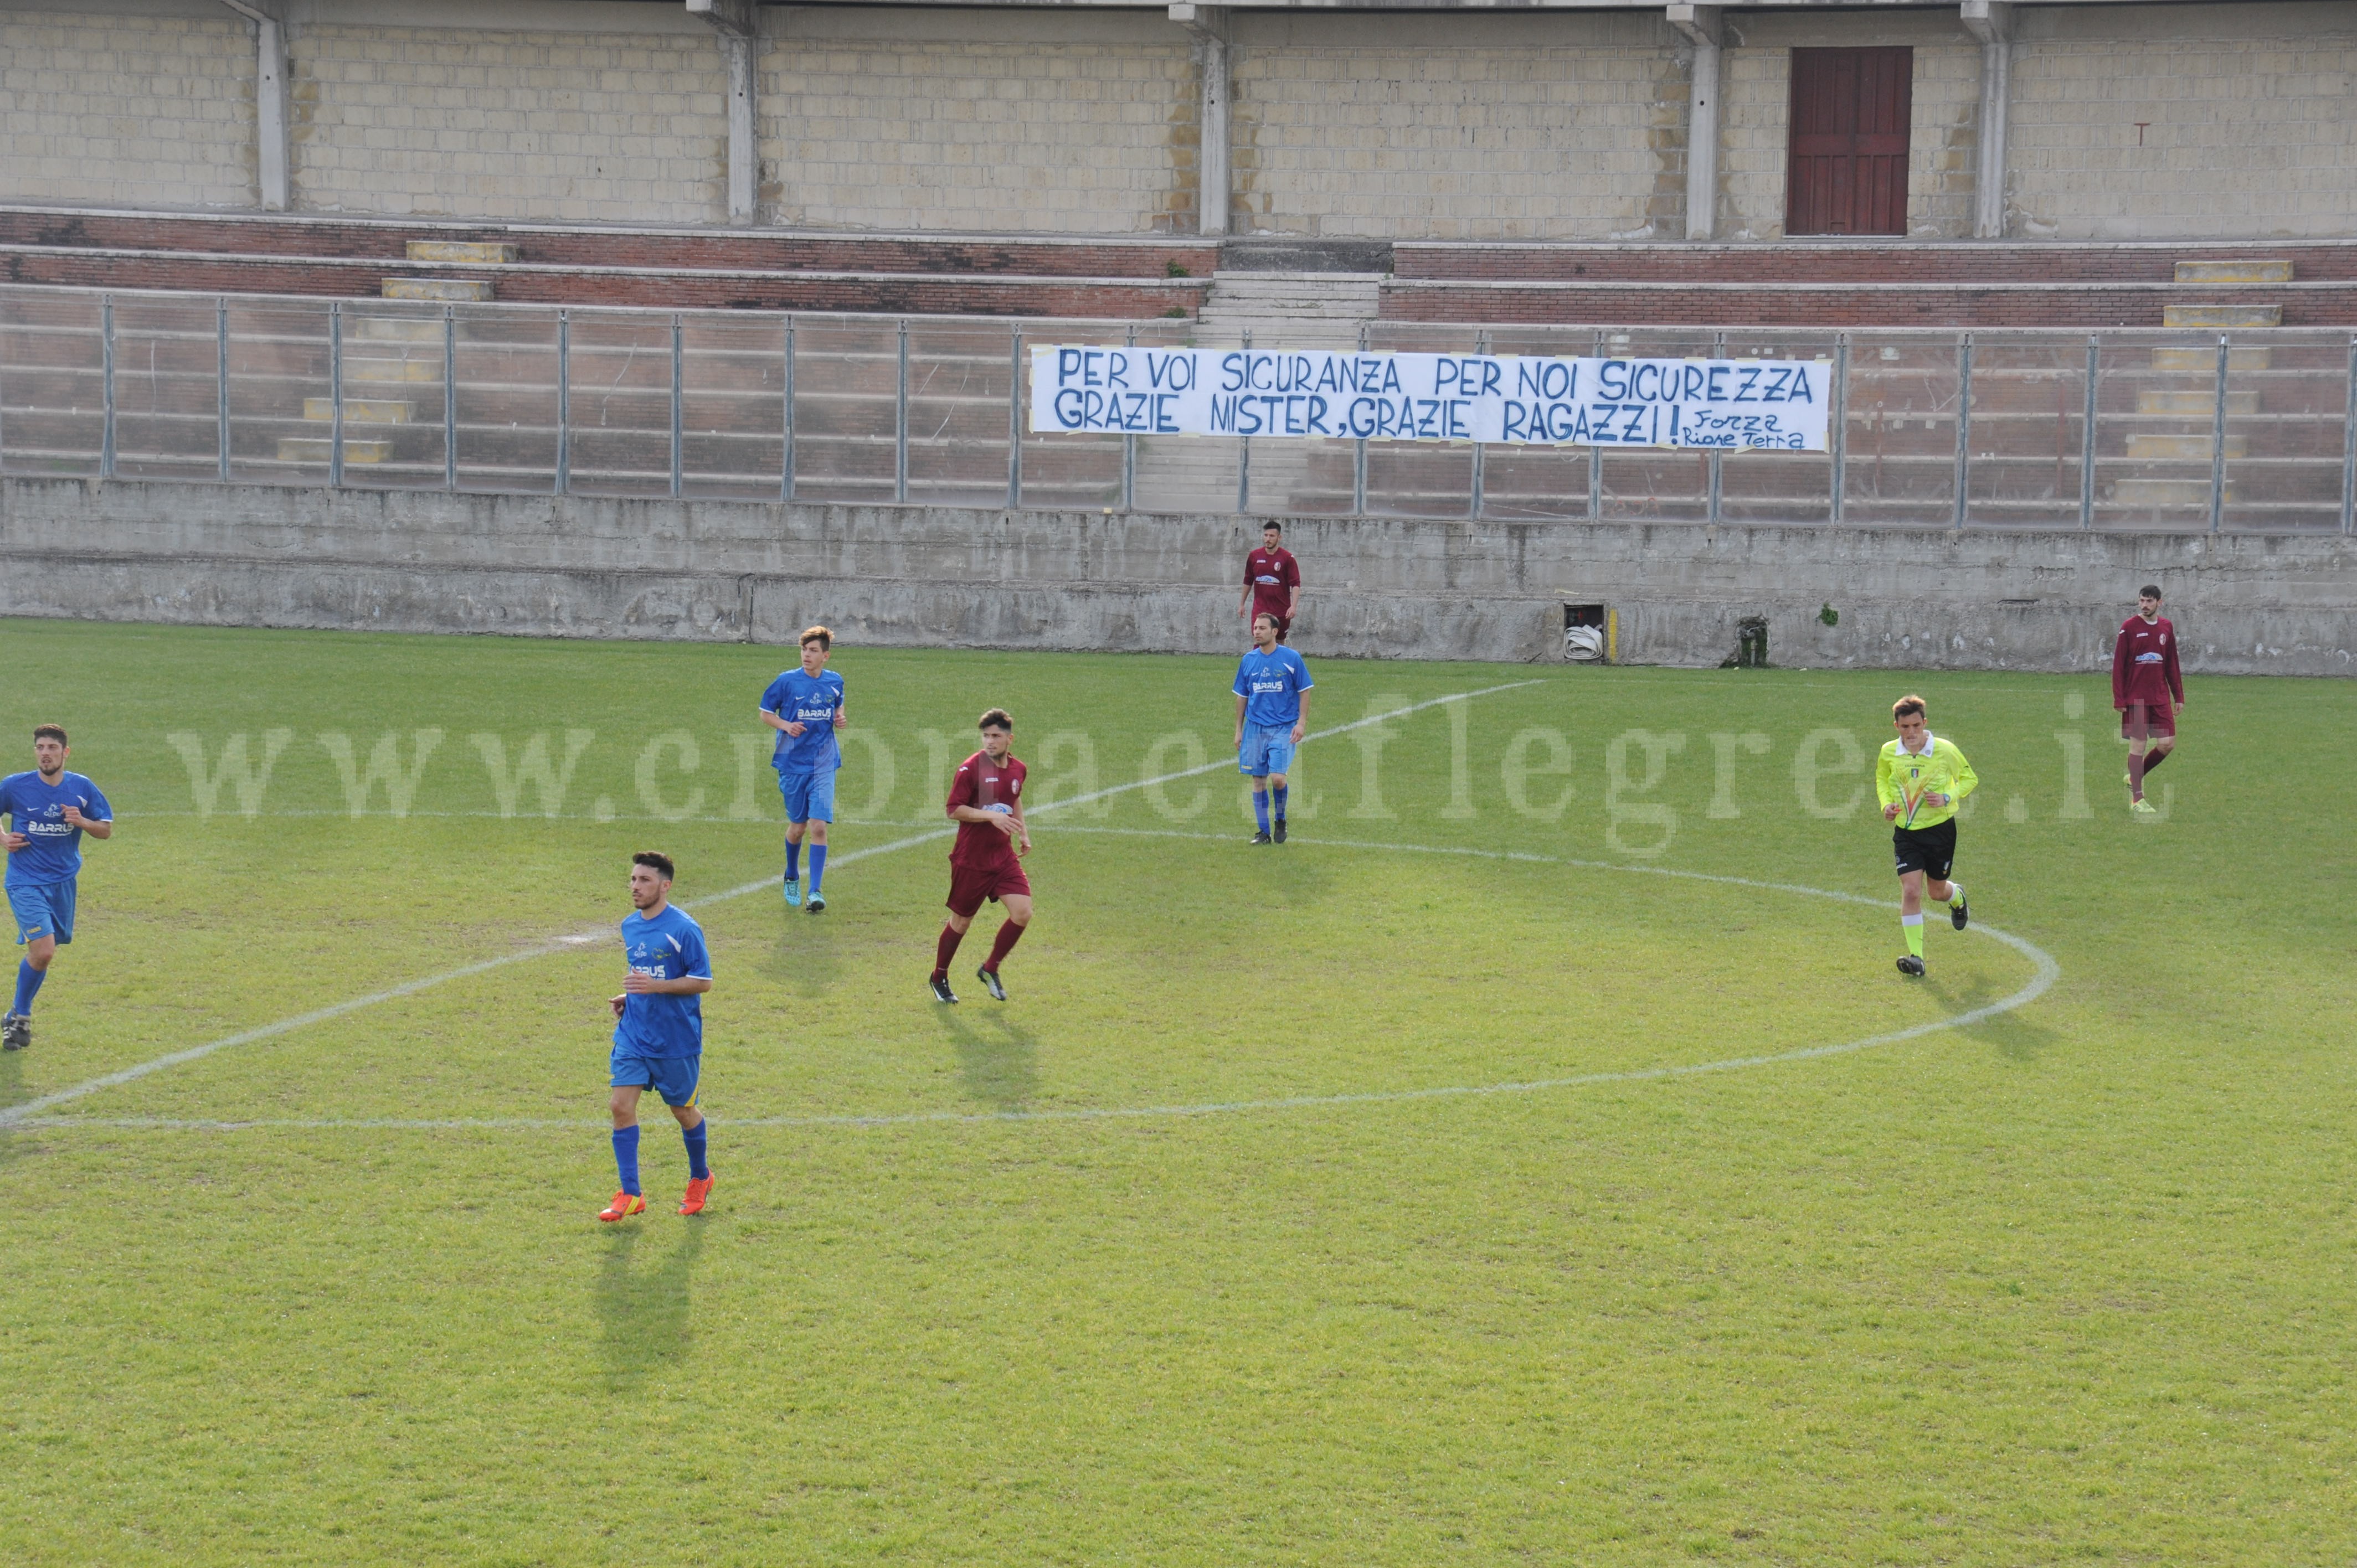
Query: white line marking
{"points": [[2046, 972], [20, 1114]]}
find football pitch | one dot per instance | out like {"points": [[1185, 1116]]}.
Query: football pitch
{"points": [[1538, 1159]]}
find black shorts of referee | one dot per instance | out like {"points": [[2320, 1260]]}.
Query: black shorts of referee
{"points": [[1931, 851]]}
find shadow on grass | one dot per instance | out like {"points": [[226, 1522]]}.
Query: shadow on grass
{"points": [[996, 1057], [2012, 1036], [646, 1313], [803, 956], [16, 1142]]}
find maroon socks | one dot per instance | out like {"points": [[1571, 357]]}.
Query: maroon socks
{"points": [[946, 949], [1008, 935]]}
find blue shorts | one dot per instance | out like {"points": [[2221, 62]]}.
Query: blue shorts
{"points": [[673, 1077], [1265, 750], [808, 795], [43, 911]]}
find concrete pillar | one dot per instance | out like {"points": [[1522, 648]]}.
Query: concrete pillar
{"points": [[740, 48], [1991, 21], [1700, 25], [269, 104], [1209, 24]]}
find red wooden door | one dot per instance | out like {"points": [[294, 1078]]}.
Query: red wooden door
{"points": [[1847, 172]]}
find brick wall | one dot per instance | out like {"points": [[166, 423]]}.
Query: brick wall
{"points": [[1473, 127], [2247, 123], [153, 110], [1065, 123], [569, 126]]}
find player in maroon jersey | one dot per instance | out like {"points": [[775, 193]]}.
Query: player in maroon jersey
{"points": [[987, 862], [2148, 690], [1272, 581]]}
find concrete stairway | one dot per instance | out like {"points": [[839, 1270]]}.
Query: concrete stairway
{"points": [[1276, 310], [1289, 310], [388, 354], [2194, 400]]}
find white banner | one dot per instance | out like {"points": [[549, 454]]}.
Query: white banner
{"points": [[1771, 405]]}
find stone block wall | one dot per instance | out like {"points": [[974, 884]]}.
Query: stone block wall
{"points": [[1066, 121], [2222, 122], [135, 110], [2128, 122], [1554, 126], [1755, 109], [957, 577], [1943, 142], [588, 127]]}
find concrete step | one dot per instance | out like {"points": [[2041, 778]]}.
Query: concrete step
{"points": [[2151, 449], [2222, 316], [1289, 310], [393, 370], [439, 289], [2196, 361], [2233, 272], [2166, 494], [361, 410], [320, 449], [399, 329], [472, 251], [2204, 402]]}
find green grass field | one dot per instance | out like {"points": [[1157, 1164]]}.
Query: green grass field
{"points": [[1341, 1203]]}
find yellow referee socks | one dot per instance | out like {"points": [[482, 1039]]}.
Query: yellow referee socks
{"points": [[1913, 926]]}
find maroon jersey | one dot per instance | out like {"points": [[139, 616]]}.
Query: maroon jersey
{"points": [[1273, 574], [992, 786], [2144, 665]]}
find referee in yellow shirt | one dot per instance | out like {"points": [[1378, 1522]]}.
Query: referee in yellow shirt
{"points": [[1920, 778]]}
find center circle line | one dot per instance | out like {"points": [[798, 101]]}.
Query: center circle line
{"points": [[2045, 971]]}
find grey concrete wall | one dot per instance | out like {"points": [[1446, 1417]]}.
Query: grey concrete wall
{"points": [[942, 576]]}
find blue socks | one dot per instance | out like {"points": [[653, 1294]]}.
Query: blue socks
{"points": [[28, 985], [1282, 791], [1260, 809], [818, 866], [626, 1157], [626, 1154], [793, 859]]}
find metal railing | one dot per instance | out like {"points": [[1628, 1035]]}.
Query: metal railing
{"points": [[2255, 431]]}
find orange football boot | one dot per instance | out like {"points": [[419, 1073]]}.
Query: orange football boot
{"points": [[625, 1204], [698, 1189]]}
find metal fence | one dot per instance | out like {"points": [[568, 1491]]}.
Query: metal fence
{"points": [[2255, 431]]}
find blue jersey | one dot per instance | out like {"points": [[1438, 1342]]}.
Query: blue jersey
{"points": [[1271, 684], [39, 811], [812, 701], [668, 947]]}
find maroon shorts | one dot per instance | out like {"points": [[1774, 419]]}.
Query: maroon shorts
{"points": [[970, 884], [2159, 720]]}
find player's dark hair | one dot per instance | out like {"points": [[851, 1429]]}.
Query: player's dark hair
{"points": [[51, 732], [818, 635], [1909, 704], [2148, 591], [658, 860], [996, 718], [1264, 616], [1272, 526]]}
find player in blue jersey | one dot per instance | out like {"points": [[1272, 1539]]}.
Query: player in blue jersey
{"points": [[47, 810], [805, 707], [1272, 706], [659, 1031]]}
